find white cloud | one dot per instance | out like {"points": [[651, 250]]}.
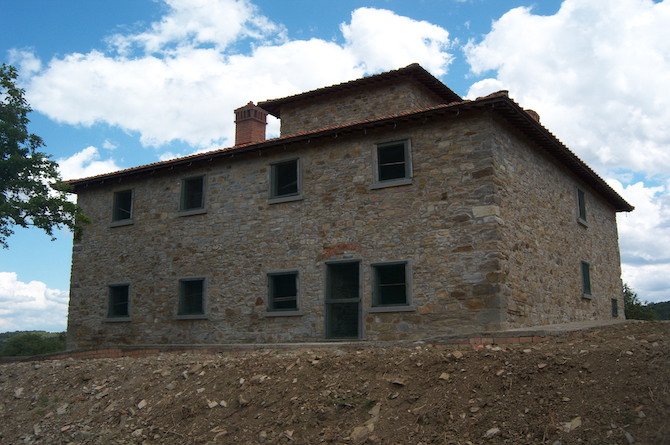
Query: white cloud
{"points": [[85, 163], [28, 64], [645, 239], [597, 73], [188, 78], [191, 23], [380, 39], [108, 145], [31, 306]]}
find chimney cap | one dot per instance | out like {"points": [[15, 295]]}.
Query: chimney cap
{"points": [[532, 113]]}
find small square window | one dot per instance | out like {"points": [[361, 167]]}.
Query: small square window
{"points": [[586, 278], [581, 205], [283, 291], [393, 161], [192, 296], [193, 193], [123, 205], [118, 301], [390, 285], [285, 179]]}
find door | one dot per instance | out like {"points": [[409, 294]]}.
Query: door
{"points": [[343, 300]]}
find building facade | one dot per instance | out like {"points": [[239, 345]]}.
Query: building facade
{"points": [[388, 208]]}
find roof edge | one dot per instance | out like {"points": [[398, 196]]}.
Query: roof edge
{"points": [[413, 71], [500, 103]]}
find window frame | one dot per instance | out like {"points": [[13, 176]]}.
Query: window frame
{"points": [[117, 318], [582, 214], [183, 211], [273, 197], [125, 221], [587, 283], [376, 306], [180, 296], [269, 312], [409, 170]]}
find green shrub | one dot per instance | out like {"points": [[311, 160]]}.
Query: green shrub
{"points": [[33, 343], [634, 308]]}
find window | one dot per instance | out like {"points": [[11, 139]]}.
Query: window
{"points": [[192, 296], [581, 206], [193, 193], [615, 308], [586, 279], [123, 205], [393, 163], [390, 284], [118, 301], [285, 181], [283, 291]]}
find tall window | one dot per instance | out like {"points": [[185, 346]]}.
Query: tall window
{"points": [[192, 296], [285, 179], [118, 301], [586, 278], [390, 284], [581, 205], [123, 205], [193, 193], [283, 291], [393, 161]]}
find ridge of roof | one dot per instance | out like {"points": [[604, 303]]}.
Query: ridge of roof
{"points": [[412, 71], [498, 102]]}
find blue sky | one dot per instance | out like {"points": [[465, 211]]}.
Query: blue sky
{"points": [[128, 82]]}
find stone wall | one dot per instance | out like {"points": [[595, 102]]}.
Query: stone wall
{"points": [[489, 225], [544, 243], [445, 223], [355, 105]]}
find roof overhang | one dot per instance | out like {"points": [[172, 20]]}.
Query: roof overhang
{"points": [[499, 104]]}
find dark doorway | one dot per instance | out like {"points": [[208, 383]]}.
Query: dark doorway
{"points": [[342, 300]]}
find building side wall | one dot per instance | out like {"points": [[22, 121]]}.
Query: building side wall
{"points": [[357, 105], [444, 223], [545, 243]]}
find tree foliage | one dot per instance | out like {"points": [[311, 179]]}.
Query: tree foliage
{"points": [[636, 309], [33, 343], [31, 190]]}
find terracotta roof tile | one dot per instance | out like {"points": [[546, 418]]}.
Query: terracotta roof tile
{"points": [[498, 102], [413, 71]]}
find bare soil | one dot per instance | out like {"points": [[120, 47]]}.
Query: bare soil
{"points": [[605, 386]]}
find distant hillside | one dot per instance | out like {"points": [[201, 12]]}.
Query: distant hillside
{"points": [[662, 309], [31, 342]]}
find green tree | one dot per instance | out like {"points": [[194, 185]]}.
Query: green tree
{"points": [[634, 308], [31, 191], [33, 343]]}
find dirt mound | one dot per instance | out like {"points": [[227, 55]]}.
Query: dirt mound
{"points": [[605, 386]]}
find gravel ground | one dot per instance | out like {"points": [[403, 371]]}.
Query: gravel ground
{"points": [[604, 386]]}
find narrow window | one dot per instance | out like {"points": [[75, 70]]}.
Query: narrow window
{"points": [[586, 278], [581, 203], [285, 179], [393, 161], [118, 301], [615, 308], [123, 205], [191, 296], [390, 285], [283, 291], [193, 193]]}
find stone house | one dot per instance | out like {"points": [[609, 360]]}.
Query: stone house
{"points": [[388, 208]]}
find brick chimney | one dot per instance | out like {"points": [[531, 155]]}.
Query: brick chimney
{"points": [[250, 122]]}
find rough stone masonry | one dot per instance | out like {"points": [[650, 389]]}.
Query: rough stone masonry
{"points": [[487, 223]]}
